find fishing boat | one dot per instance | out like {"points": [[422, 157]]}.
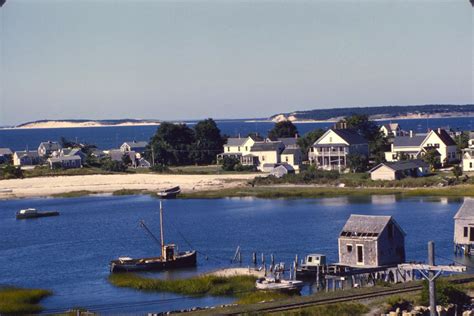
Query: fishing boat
{"points": [[278, 284], [311, 267], [170, 193], [34, 213], [170, 258]]}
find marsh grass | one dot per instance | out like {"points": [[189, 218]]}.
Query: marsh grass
{"points": [[130, 192], [198, 286], [21, 301], [73, 194]]}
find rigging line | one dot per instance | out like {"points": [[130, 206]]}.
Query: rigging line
{"points": [[215, 258]]}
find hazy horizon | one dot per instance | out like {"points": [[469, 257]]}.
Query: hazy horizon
{"points": [[190, 60]]}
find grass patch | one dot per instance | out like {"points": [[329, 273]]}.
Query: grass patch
{"points": [[21, 301], [343, 309], [130, 192], [198, 286], [285, 191], [73, 194], [45, 171]]}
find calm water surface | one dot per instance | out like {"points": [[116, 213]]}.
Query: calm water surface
{"points": [[70, 253]]}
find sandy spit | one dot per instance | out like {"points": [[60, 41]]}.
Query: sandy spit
{"points": [[47, 186]]}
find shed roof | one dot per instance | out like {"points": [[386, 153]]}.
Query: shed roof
{"points": [[407, 141], [466, 211], [366, 224], [5, 151], [350, 136], [266, 146], [236, 141]]}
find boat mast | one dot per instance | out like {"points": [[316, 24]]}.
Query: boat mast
{"points": [[161, 230]]}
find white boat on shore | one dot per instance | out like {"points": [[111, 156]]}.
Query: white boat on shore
{"points": [[277, 284]]}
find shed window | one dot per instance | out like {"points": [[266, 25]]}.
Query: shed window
{"points": [[360, 254], [349, 248], [470, 165], [465, 232], [310, 259]]}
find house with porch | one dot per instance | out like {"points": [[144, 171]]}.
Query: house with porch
{"points": [[330, 151], [415, 146], [371, 241]]}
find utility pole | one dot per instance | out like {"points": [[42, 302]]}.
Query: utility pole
{"points": [[431, 272]]}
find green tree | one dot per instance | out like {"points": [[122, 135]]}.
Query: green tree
{"points": [[208, 142], [283, 129], [229, 163], [357, 162], [11, 172], [462, 141], [113, 165], [126, 160], [446, 293], [171, 145], [431, 157], [457, 171], [308, 140]]}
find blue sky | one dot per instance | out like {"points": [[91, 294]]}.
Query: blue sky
{"points": [[228, 59]]}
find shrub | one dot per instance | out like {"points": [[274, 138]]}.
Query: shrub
{"points": [[160, 168], [11, 172], [446, 293], [113, 165], [229, 163]]}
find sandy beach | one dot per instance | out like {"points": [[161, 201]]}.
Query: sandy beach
{"points": [[47, 186]]}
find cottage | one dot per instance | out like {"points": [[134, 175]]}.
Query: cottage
{"points": [[138, 147], [397, 170], [239, 148], [5, 155], [391, 130], [464, 226], [45, 149], [26, 158], [415, 146], [330, 151], [281, 170], [292, 156], [267, 153], [468, 159], [371, 241], [65, 162]]}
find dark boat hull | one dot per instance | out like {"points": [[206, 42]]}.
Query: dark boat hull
{"points": [[36, 215], [186, 260], [170, 193]]}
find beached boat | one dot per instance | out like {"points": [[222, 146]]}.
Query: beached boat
{"points": [[170, 193], [312, 265], [278, 284], [170, 258], [34, 213]]}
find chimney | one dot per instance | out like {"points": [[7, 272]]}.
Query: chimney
{"points": [[296, 135], [439, 130], [411, 133]]}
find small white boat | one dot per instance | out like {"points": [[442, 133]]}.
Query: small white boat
{"points": [[277, 284]]}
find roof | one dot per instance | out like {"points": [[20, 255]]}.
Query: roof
{"points": [[5, 151], [234, 141], [402, 165], [391, 126], [407, 141], [64, 158], [291, 151], [33, 154], [466, 211], [288, 141], [445, 138], [368, 224], [266, 146], [286, 166], [135, 144], [49, 145], [350, 136]]}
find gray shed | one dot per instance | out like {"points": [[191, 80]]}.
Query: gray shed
{"points": [[371, 241], [281, 170], [464, 225]]}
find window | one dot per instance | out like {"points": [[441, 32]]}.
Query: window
{"points": [[286, 158], [360, 254], [310, 259], [246, 148], [263, 158], [238, 148], [470, 165], [228, 148], [349, 248], [465, 231], [330, 139]]}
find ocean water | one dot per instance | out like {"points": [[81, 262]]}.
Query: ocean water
{"points": [[113, 137], [69, 254]]}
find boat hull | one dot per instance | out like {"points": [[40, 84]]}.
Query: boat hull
{"points": [[36, 215], [186, 260]]}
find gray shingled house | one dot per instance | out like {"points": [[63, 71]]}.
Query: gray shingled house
{"points": [[45, 149], [464, 226], [371, 241]]}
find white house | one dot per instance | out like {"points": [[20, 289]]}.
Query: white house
{"points": [[415, 146], [45, 149], [138, 147], [267, 153], [391, 130], [292, 156], [26, 158], [330, 151], [468, 159]]}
